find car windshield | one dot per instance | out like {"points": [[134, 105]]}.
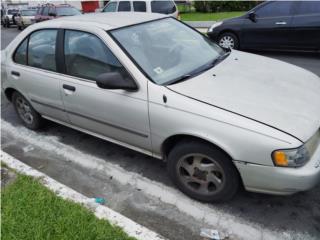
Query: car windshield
{"points": [[67, 11], [168, 51], [12, 11], [28, 12]]}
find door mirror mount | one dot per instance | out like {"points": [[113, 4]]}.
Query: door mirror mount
{"points": [[252, 16], [114, 80]]}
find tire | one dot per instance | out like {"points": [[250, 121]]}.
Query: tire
{"points": [[229, 40], [215, 180], [29, 117]]}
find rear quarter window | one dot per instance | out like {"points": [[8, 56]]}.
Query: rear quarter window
{"points": [[20, 55], [164, 7], [111, 7]]}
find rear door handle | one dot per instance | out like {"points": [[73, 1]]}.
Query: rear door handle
{"points": [[68, 87], [14, 73], [281, 23]]}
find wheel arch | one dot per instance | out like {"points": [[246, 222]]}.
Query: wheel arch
{"points": [[9, 92], [169, 143]]}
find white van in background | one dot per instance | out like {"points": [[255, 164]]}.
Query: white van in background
{"points": [[165, 7]]}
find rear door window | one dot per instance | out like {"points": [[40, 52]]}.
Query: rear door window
{"points": [[308, 7], [139, 6], [164, 7], [42, 49], [275, 9], [124, 6]]}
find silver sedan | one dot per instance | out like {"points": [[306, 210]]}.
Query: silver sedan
{"points": [[148, 82]]}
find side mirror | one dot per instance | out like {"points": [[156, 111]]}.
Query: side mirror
{"points": [[114, 80], [252, 16]]}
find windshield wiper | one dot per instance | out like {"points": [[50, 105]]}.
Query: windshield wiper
{"points": [[181, 79], [202, 69], [220, 59], [213, 63]]}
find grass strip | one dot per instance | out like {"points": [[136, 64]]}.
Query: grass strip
{"points": [[31, 211], [197, 16]]}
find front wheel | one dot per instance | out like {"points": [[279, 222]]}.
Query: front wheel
{"points": [[29, 117], [203, 172], [228, 40]]}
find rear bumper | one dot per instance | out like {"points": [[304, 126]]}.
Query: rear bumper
{"points": [[280, 181]]}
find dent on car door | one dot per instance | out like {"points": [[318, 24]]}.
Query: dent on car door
{"points": [[306, 25], [117, 114], [271, 27], [34, 73]]}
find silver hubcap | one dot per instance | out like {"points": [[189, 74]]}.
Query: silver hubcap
{"points": [[201, 174], [227, 42], [24, 110]]}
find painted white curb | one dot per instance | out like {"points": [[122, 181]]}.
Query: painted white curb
{"points": [[132, 228]]}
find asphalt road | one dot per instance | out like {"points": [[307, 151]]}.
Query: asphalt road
{"points": [[298, 213]]}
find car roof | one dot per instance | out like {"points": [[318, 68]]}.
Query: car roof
{"points": [[107, 21]]}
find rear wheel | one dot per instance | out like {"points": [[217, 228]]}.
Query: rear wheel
{"points": [[228, 40], [203, 172], [29, 117]]}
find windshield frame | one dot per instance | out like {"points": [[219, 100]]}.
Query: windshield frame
{"points": [[109, 32]]}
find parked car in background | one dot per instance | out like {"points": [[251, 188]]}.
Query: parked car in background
{"points": [[26, 17], [164, 7], [8, 17], [51, 11], [153, 84], [291, 25]]}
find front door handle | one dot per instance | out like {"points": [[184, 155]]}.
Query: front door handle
{"points": [[14, 73], [68, 87], [281, 23]]}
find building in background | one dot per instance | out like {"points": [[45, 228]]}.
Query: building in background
{"points": [[85, 6]]}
